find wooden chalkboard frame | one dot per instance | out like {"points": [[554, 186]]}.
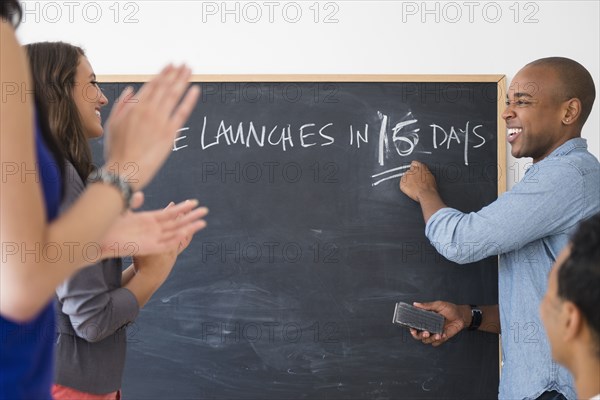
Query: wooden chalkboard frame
{"points": [[486, 78], [499, 79]]}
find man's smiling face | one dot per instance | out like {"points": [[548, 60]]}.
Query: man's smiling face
{"points": [[534, 113]]}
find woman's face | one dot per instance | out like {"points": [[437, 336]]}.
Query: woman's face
{"points": [[88, 99]]}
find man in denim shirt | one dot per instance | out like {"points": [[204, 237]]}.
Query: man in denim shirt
{"points": [[548, 103]]}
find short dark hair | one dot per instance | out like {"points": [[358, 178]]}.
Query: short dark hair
{"points": [[579, 275], [10, 10], [576, 82]]}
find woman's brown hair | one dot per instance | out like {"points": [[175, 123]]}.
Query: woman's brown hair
{"points": [[54, 67]]}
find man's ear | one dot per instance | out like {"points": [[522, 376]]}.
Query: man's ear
{"points": [[572, 321], [572, 111]]}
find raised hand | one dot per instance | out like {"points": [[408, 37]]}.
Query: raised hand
{"points": [[142, 126], [154, 232], [416, 180]]}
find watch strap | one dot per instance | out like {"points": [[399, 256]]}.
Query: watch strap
{"points": [[476, 318], [108, 177]]}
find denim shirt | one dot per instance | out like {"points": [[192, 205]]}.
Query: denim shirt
{"points": [[528, 227]]}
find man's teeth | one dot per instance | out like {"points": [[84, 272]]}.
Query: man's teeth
{"points": [[513, 131], [97, 113]]}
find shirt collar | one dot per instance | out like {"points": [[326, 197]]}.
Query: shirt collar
{"points": [[568, 146]]}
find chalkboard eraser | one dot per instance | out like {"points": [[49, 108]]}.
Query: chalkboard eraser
{"points": [[417, 318]]}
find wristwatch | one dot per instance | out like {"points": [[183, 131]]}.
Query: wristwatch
{"points": [[110, 178], [476, 317]]}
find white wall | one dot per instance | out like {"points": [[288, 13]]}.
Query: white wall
{"points": [[363, 37]]}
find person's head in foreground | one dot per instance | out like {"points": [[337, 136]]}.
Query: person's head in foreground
{"points": [[570, 311]]}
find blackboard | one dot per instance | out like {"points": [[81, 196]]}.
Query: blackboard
{"points": [[290, 291]]}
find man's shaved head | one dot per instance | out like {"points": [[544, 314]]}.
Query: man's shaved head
{"points": [[576, 82]]}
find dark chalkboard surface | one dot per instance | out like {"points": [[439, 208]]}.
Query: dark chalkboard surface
{"points": [[290, 291]]}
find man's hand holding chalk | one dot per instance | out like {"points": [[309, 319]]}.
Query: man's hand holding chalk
{"points": [[456, 319]]}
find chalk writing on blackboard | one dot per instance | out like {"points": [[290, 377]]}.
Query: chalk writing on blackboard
{"points": [[404, 135]]}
